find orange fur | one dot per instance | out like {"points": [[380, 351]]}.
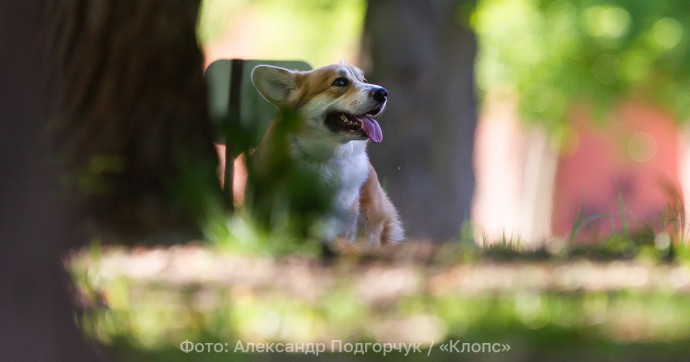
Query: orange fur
{"points": [[381, 222]]}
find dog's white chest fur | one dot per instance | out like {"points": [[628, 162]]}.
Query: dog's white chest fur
{"points": [[347, 173], [344, 169]]}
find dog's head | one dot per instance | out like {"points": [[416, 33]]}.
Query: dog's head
{"points": [[335, 101]]}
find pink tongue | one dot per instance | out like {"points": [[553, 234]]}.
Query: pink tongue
{"points": [[372, 128]]}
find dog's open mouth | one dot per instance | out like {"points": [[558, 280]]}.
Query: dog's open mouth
{"points": [[363, 125]]}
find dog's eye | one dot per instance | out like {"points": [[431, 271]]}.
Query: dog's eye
{"points": [[340, 82]]}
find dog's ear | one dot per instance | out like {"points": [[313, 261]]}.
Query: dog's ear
{"points": [[274, 83]]}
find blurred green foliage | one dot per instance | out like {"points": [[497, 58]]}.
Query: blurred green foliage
{"points": [[317, 31], [280, 195], [553, 53], [283, 203]]}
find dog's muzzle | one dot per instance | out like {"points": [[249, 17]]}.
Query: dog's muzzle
{"points": [[379, 94], [362, 126]]}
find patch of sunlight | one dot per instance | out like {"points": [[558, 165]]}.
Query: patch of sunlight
{"points": [[606, 21], [666, 33]]}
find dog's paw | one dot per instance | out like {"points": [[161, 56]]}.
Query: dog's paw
{"points": [[393, 232], [383, 230]]}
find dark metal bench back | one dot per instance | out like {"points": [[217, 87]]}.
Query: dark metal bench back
{"points": [[235, 104]]}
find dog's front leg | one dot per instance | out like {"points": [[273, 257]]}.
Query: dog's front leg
{"points": [[381, 224], [341, 224]]}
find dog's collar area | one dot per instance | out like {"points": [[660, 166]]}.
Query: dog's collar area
{"points": [[309, 153], [320, 152]]}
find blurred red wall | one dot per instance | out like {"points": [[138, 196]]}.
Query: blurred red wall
{"points": [[616, 173]]}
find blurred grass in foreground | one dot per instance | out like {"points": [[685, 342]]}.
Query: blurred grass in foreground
{"points": [[569, 303]]}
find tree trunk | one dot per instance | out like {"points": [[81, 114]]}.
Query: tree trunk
{"points": [[132, 129], [132, 125], [423, 53], [37, 318]]}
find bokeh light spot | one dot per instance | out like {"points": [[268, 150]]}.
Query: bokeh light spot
{"points": [[606, 21], [642, 147], [667, 33]]}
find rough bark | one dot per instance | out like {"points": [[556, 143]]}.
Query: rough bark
{"points": [[423, 53], [132, 126]]}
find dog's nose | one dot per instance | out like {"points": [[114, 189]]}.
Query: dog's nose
{"points": [[379, 94]]}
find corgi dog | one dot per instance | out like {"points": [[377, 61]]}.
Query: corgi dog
{"points": [[336, 108]]}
